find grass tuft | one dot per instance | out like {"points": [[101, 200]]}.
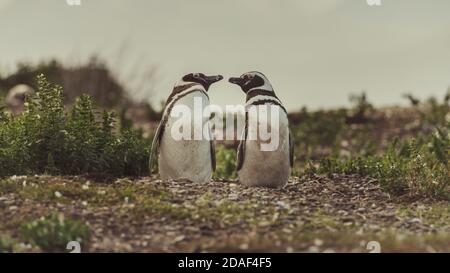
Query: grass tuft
{"points": [[52, 234]]}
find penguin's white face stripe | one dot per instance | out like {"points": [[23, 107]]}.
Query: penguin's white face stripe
{"points": [[262, 97], [196, 87], [267, 86], [182, 83]]}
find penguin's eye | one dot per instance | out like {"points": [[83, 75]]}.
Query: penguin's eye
{"points": [[250, 77]]}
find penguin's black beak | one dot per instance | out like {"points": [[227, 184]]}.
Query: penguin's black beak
{"points": [[238, 81], [212, 79]]}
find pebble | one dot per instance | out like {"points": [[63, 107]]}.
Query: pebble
{"points": [[233, 197], [318, 242], [283, 205]]}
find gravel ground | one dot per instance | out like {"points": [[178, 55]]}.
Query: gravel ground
{"points": [[312, 214]]}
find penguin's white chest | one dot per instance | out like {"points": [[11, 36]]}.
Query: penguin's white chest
{"points": [[185, 153], [266, 160]]}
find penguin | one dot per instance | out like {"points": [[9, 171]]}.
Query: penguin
{"points": [[256, 166], [191, 159]]}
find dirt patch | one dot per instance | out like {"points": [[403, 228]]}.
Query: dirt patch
{"points": [[313, 214]]}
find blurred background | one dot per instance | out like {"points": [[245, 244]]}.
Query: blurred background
{"points": [[316, 53]]}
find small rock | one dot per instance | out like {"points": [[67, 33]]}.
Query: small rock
{"points": [[318, 242], [233, 196], [313, 249], [283, 205], [179, 239], [264, 223], [243, 246]]}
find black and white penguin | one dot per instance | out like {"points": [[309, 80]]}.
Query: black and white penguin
{"points": [[257, 166], [191, 159]]}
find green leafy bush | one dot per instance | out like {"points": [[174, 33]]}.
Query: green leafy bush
{"points": [[419, 166], [325, 134], [52, 234], [435, 113], [48, 139], [432, 112], [318, 133], [226, 163], [6, 244]]}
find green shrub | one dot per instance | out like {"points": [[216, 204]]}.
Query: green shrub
{"points": [[419, 167], [48, 139], [336, 133], [432, 112], [52, 234], [6, 244], [361, 109], [435, 113], [226, 163], [317, 133]]}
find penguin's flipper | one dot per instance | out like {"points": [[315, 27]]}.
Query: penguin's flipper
{"points": [[213, 155], [240, 155], [241, 147], [155, 145], [291, 149]]}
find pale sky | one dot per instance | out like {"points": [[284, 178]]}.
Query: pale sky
{"points": [[314, 52]]}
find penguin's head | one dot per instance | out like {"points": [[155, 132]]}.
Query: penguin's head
{"points": [[202, 79], [252, 80]]}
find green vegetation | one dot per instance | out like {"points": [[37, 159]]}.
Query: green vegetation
{"points": [[48, 139], [52, 234], [203, 209], [338, 133], [437, 214], [350, 241], [189, 217], [432, 112], [416, 169], [226, 163], [6, 244], [416, 166]]}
